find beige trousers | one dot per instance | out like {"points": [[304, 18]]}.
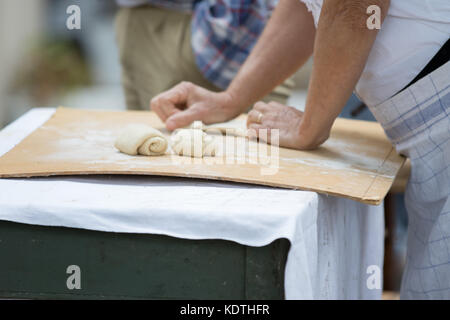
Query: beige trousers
{"points": [[156, 54]]}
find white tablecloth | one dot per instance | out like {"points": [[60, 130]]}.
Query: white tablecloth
{"points": [[333, 241]]}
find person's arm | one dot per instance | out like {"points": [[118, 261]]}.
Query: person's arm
{"points": [[285, 44], [342, 47]]}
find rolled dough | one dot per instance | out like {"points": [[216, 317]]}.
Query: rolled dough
{"points": [[197, 125], [141, 139], [193, 143]]}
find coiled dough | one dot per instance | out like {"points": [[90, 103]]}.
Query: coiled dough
{"points": [[193, 143], [142, 139]]}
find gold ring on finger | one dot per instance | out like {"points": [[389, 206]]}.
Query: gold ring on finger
{"points": [[260, 115]]}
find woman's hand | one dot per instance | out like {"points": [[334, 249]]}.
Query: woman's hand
{"points": [[294, 132], [186, 102]]}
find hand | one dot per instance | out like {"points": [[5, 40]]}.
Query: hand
{"points": [[186, 102], [290, 123]]}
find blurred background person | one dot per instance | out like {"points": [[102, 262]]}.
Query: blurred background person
{"points": [[165, 42]]}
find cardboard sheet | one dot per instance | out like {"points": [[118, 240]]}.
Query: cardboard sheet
{"points": [[357, 162]]}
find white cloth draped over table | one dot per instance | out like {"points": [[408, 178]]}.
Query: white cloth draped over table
{"points": [[333, 241]]}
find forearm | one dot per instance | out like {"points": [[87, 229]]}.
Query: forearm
{"points": [[285, 45], [342, 46]]}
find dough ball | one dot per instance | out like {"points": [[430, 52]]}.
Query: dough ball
{"points": [[193, 143], [198, 125], [142, 139]]}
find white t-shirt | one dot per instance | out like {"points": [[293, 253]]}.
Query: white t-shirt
{"points": [[412, 33]]}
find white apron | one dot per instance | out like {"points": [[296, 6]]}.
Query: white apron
{"points": [[417, 121]]}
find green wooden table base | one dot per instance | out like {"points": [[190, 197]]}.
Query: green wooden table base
{"points": [[34, 262]]}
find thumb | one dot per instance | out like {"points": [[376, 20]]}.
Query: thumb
{"points": [[165, 104], [182, 119]]}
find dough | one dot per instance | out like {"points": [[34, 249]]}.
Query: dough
{"points": [[197, 125], [193, 143], [142, 139]]}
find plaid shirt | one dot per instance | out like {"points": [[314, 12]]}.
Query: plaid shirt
{"points": [[223, 32]]}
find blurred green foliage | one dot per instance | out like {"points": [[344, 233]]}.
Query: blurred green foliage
{"points": [[51, 69]]}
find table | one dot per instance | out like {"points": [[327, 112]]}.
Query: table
{"points": [[160, 237]]}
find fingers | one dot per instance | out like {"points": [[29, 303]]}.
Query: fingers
{"points": [[252, 130], [260, 120], [254, 117], [166, 104], [260, 132], [261, 106], [183, 118]]}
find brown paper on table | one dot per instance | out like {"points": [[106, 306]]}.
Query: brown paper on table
{"points": [[357, 162]]}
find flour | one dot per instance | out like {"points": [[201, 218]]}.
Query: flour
{"points": [[96, 149], [345, 158]]}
